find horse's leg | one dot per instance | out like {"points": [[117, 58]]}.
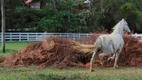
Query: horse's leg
{"points": [[92, 60], [101, 56], [116, 59], [117, 55], [111, 58]]}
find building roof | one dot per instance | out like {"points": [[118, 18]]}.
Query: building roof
{"points": [[28, 1]]}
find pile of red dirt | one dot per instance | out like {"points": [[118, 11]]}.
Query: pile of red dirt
{"points": [[132, 52], [62, 55], [131, 55]]}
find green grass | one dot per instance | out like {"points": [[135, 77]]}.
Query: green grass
{"points": [[32, 73], [12, 47]]}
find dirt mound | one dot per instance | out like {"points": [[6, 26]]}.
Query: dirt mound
{"points": [[131, 55], [132, 52], [2, 58], [63, 55]]}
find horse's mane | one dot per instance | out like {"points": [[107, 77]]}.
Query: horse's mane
{"points": [[118, 24]]}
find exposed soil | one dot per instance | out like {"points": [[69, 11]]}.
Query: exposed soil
{"points": [[62, 55]]}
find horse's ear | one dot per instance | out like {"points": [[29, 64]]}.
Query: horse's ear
{"points": [[123, 20]]}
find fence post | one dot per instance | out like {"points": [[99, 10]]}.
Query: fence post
{"points": [[60, 35], [141, 37], [10, 36], [36, 37], [79, 35], [19, 36], [27, 36], [74, 36]]}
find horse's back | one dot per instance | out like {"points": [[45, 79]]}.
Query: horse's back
{"points": [[110, 43]]}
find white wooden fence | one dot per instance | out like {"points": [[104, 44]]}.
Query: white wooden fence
{"points": [[19, 36]]}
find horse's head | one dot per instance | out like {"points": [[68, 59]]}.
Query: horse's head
{"points": [[125, 26]]}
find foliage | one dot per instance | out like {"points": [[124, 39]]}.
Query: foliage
{"points": [[74, 15], [59, 22], [132, 11], [139, 21]]}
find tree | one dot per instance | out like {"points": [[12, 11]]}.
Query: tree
{"points": [[3, 25]]}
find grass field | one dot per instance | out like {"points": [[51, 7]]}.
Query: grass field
{"points": [[12, 47], [32, 73]]}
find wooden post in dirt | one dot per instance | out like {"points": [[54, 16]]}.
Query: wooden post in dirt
{"points": [[3, 25]]}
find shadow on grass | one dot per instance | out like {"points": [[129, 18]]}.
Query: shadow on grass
{"points": [[57, 77]]}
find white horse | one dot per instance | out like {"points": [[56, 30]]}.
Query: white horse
{"points": [[111, 43]]}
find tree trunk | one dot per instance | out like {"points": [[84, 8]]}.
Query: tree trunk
{"points": [[54, 4], [3, 25], [101, 5]]}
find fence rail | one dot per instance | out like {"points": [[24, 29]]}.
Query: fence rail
{"points": [[19, 36]]}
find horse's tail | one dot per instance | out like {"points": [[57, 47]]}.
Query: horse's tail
{"points": [[99, 42], [87, 46], [75, 43]]}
